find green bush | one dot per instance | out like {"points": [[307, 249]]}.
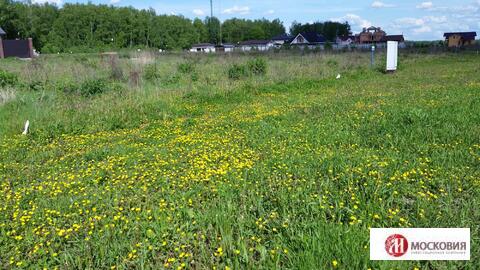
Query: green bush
{"points": [[87, 88], [150, 72], [237, 71], [186, 68], [66, 87], [257, 66], [194, 77], [93, 87], [35, 86], [8, 79], [171, 79]]}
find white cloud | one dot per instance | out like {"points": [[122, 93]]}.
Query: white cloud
{"points": [[420, 25], [423, 29], [429, 26], [354, 20], [57, 2], [425, 5], [271, 11], [114, 2], [237, 10], [410, 22], [446, 18], [435, 19], [198, 12], [378, 4]]}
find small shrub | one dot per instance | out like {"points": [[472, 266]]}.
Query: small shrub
{"points": [[87, 88], [257, 66], [150, 72], [172, 79], [66, 87], [8, 79], [194, 77], [35, 86], [237, 71], [186, 68], [93, 87]]}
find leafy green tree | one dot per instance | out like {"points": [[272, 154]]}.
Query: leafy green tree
{"points": [[213, 28], [201, 31], [330, 30]]}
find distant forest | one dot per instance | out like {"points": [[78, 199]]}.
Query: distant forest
{"points": [[89, 27]]}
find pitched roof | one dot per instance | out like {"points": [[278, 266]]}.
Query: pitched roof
{"points": [[345, 38], [254, 42], [313, 37], [2, 32], [464, 35], [203, 45], [283, 36], [398, 38]]}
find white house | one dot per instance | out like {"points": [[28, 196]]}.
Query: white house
{"points": [[203, 47], [345, 40], [255, 45], [228, 47], [279, 40], [308, 38]]}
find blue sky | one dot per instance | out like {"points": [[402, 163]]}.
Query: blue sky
{"points": [[416, 19]]}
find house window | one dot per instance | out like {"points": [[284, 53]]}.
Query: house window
{"points": [[300, 39]]}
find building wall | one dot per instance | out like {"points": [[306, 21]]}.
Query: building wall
{"points": [[261, 48], [368, 37], [203, 49], [458, 41], [365, 37], [1, 48], [378, 36], [454, 41], [344, 42], [22, 48]]}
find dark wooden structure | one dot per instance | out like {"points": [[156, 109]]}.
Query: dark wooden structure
{"points": [[460, 39], [21, 48], [2, 34]]}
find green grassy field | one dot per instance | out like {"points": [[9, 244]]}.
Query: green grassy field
{"points": [[187, 168]]}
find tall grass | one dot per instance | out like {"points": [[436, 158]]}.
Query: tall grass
{"points": [[149, 77]]}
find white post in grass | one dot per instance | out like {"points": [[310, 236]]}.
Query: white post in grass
{"points": [[392, 56], [25, 129]]}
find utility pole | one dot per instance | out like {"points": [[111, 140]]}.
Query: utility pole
{"points": [[219, 40], [220, 23], [211, 9]]}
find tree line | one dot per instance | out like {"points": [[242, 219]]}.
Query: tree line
{"points": [[330, 30], [89, 27]]}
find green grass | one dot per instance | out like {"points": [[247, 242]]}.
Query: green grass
{"points": [[286, 170]]}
